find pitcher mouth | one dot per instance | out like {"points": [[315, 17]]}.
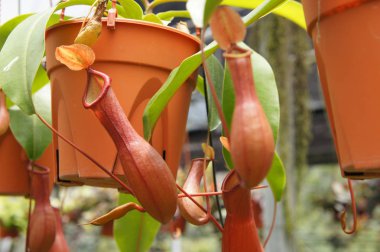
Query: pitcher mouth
{"points": [[230, 182], [37, 168], [95, 91], [237, 52]]}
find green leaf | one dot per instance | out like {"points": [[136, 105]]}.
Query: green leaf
{"points": [[196, 9], [277, 178], [169, 15], [55, 19], [21, 55], [200, 85], [291, 10], [161, 98], [40, 80], [262, 8], [8, 27], [73, 2], [152, 18], [216, 74], [42, 102], [228, 105], [227, 158], [120, 10], [228, 97], [135, 231], [20, 58], [28, 130], [132, 9]]}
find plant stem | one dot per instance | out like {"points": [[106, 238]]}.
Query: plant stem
{"points": [[220, 113], [62, 16], [212, 89], [209, 136], [100, 9], [88, 14], [29, 214], [182, 195], [205, 164]]}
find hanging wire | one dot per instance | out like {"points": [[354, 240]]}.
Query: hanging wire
{"points": [[19, 7]]}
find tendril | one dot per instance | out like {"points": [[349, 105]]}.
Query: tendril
{"points": [[127, 188], [272, 224], [353, 206]]}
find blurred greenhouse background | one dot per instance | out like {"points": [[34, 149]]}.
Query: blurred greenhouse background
{"points": [[308, 217]]}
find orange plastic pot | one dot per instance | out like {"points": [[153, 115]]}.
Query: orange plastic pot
{"points": [[11, 232], [346, 37], [139, 57], [14, 179]]}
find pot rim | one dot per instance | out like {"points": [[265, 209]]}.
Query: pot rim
{"points": [[128, 21], [317, 10]]}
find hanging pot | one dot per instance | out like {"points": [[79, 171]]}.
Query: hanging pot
{"points": [[346, 37], [11, 232], [138, 56], [14, 179]]}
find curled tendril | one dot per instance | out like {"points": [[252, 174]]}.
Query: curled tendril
{"points": [[269, 235], [343, 214]]}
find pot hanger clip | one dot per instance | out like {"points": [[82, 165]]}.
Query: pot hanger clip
{"points": [[112, 15]]}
